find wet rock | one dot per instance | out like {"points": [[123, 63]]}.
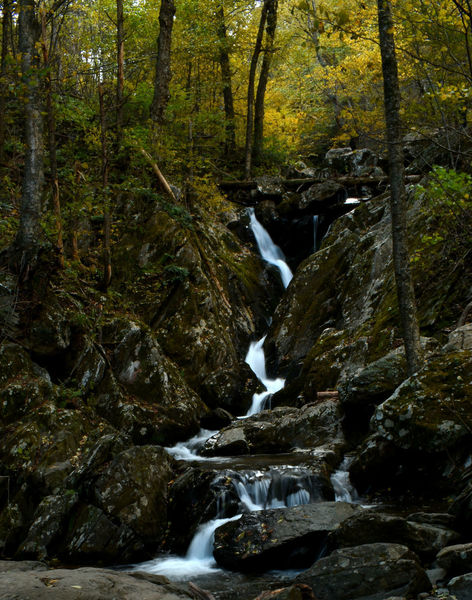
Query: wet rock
{"points": [[373, 571], [280, 430], [461, 587], [25, 581], [371, 527], [461, 508], [282, 538], [345, 161], [456, 560]]}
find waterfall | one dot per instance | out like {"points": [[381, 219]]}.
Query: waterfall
{"points": [[315, 232], [188, 450], [269, 251], [255, 358], [344, 491]]}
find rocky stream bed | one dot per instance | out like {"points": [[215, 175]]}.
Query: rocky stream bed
{"points": [[297, 383]]}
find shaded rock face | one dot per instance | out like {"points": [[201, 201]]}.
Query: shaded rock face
{"points": [[284, 538], [422, 428], [456, 560], [209, 300], [279, 430], [370, 571], [425, 539]]}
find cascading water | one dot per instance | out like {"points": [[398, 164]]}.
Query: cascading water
{"points": [[255, 356], [315, 232], [344, 491], [270, 252]]}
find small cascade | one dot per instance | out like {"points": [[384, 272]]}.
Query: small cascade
{"points": [[188, 450], [344, 491], [255, 358], [316, 219], [270, 252], [276, 488]]}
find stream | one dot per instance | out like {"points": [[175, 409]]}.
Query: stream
{"points": [[260, 482]]}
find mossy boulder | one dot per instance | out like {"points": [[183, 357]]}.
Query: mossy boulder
{"points": [[422, 431]]}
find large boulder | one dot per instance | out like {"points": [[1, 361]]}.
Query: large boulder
{"points": [[34, 581], [280, 430], [367, 572], [370, 527], [456, 560], [278, 538], [421, 429]]}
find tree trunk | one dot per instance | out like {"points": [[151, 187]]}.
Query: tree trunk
{"points": [[106, 200], [230, 134], [51, 122], [163, 71], [250, 92], [263, 79], [28, 236], [6, 24], [120, 80], [404, 282]]}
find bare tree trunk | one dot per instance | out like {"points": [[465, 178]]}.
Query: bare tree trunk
{"points": [[250, 92], [163, 70], [51, 123], [230, 134], [6, 25], [264, 78], [120, 80], [106, 201], [404, 282], [27, 240]]}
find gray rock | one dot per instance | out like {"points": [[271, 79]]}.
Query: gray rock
{"points": [[278, 538], [371, 571], [280, 430], [370, 527], [461, 587], [20, 581], [460, 338], [456, 560]]}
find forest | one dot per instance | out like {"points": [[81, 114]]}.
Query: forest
{"points": [[236, 299]]}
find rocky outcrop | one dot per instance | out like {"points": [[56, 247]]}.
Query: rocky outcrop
{"points": [[370, 571], [34, 581], [280, 430], [422, 428], [276, 539], [456, 560], [368, 527]]}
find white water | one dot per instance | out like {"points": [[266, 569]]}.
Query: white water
{"points": [[315, 232], [188, 450], [270, 251], [344, 491], [255, 358], [198, 560]]}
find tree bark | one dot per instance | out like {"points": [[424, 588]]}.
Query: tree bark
{"points": [[403, 278], [120, 80], [51, 123], [264, 78], [163, 62], [230, 134], [6, 26], [106, 200], [27, 240], [250, 92]]}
